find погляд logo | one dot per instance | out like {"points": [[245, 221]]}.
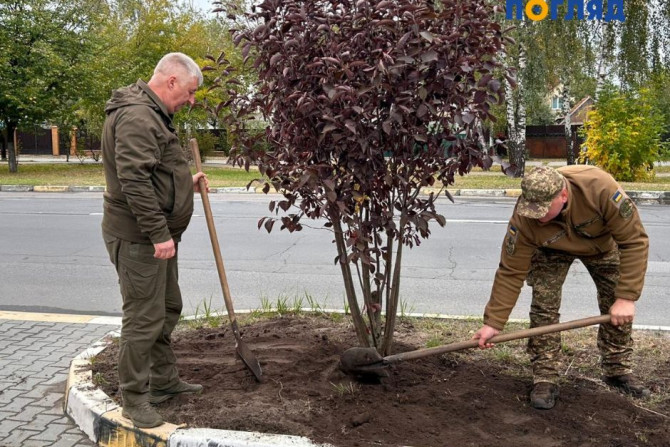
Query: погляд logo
{"points": [[585, 9]]}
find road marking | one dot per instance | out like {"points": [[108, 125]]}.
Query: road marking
{"points": [[477, 221], [58, 318]]}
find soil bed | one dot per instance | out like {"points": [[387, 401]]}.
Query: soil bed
{"points": [[458, 399]]}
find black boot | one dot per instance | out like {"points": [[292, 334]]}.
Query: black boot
{"points": [[628, 384]]}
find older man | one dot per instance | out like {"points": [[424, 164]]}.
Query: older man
{"points": [[575, 212], [147, 206]]}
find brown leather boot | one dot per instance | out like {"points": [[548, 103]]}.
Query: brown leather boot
{"points": [[628, 384], [543, 396]]}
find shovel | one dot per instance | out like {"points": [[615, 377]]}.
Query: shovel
{"points": [[243, 351], [367, 362]]}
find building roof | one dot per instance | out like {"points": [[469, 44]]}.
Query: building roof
{"points": [[578, 112]]}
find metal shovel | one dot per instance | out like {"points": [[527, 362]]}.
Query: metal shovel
{"points": [[243, 351], [368, 362]]}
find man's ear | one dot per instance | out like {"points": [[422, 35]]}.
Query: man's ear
{"points": [[171, 82]]}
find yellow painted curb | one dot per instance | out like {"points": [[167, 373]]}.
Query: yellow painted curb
{"points": [[117, 431], [36, 316], [512, 192], [50, 188]]}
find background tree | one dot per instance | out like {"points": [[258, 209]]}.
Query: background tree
{"points": [[659, 85], [515, 111], [366, 103], [43, 46], [133, 36], [65, 58], [623, 134], [581, 56]]}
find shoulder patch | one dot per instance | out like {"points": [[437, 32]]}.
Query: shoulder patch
{"points": [[618, 198], [626, 208], [510, 240]]}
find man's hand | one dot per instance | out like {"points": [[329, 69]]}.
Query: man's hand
{"points": [[622, 312], [196, 181], [483, 334], [164, 250]]}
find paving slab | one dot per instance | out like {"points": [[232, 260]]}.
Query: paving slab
{"points": [[35, 355]]}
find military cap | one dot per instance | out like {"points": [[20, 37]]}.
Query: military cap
{"points": [[538, 188]]}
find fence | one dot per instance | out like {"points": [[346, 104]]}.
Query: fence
{"points": [[550, 141], [53, 141], [541, 141]]}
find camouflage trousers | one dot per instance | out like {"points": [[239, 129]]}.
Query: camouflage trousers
{"points": [[547, 275]]}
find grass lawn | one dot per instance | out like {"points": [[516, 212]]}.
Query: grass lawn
{"points": [[63, 174]]}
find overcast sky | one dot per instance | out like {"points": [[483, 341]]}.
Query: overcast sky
{"points": [[205, 5]]}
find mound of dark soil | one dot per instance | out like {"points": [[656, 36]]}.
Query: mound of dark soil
{"points": [[436, 401]]}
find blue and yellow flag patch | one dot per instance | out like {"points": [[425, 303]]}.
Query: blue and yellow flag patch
{"points": [[616, 198], [510, 240]]}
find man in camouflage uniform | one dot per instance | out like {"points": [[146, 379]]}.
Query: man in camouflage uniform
{"points": [[574, 212]]}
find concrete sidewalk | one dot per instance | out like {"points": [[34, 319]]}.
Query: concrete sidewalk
{"points": [[35, 355]]}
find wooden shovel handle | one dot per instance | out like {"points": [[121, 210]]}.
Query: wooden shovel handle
{"points": [[212, 234], [524, 333]]}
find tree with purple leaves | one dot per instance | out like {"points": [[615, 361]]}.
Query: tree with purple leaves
{"points": [[364, 105]]}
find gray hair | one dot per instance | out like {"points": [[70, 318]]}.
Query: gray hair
{"points": [[173, 60]]}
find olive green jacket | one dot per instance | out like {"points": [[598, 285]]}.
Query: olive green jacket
{"points": [[598, 217], [149, 194]]}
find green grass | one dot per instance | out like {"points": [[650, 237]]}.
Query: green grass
{"points": [[53, 174], [92, 175], [75, 173], [480, 180]]}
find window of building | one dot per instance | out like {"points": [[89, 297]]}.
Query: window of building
{"points": [[556, 103]]}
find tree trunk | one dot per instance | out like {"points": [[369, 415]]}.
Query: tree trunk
{"points": [[392, 303], [567, 121], [370, 305], [3, 152], [359, 323], [602, 74], [11, 150], [516, 112], [481, 140]]}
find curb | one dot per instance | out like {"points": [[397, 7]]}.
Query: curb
{"points": [[97, 415], [639, 197]]}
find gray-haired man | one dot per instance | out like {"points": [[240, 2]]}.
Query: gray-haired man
{"points": [[148, 204]]}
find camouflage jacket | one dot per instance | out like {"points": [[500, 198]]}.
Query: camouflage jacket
{"points": [[598, 217]]}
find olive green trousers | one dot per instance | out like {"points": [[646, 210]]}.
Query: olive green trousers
{"points": [[547, 275], [152, 305]]}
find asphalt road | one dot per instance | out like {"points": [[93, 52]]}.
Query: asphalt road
{"points": [[52, 259]]}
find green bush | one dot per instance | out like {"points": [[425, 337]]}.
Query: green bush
{"points": [[207, 142], [623, 134], [664, 151]]}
